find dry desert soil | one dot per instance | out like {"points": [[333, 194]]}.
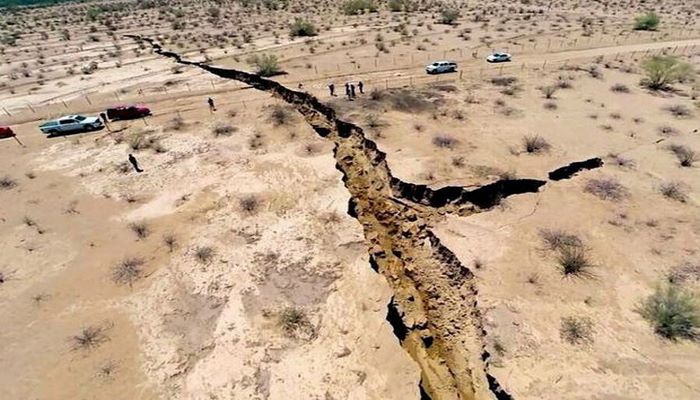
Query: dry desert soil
{"points": [[518, 230]]}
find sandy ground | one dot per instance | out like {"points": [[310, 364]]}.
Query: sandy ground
{"points": [[258, 219]]}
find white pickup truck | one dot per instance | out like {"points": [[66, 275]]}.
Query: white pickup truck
{"points": [[70, 123]]}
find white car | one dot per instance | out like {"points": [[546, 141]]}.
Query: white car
{"points": [[70, 123], [440, 67], [498, 57]]}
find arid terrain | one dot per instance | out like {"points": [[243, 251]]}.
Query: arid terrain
{"points": [[518, 230]]}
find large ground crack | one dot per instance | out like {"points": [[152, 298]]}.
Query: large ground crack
{"points": [[434, 309]]}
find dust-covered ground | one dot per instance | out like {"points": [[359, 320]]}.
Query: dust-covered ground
{"points": [[230, 268]]}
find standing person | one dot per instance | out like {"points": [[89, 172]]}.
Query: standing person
{"points": [[352, 91], [104, 119], [331, 88], [134, 163], [347, 89], [210, 101], [361, 86]]}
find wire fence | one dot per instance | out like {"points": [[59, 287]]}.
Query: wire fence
{"points": [[384, 71]]}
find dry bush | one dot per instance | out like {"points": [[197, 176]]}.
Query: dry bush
{"points": [[686, 272], [576, 330], [548, 91], [89, 338], [294, 322], [620, 88], [622, 162], [504, 80], [170, 241], [176, 124], [280, 115], [374, 122], [127, 271], [673, 312], [445, 141], [549, 105], [666, 130], [686, 156], [556, 239], [223, 129], [6, 182], [662, 71], [107, 369], [535, 144], [674, 191], [140, 229], [204, 254], [679, 110], [606, 189], [574, 262], [250, 204]]}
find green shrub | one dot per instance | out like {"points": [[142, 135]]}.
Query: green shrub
{"points": [[265, 64], [672, 312], [662, 71], [354, 7], [647, 22], [301, 27]]}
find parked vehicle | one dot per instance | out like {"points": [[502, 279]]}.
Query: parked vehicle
{"points": [[441, 67], [498, 57], [71, 123], [6, 132], [128, 111]]}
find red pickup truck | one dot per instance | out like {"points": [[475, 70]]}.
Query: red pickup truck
{"points": [[6, 132], [128, 111]]}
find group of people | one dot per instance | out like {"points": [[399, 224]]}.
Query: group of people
{"points": [[349, 89]]}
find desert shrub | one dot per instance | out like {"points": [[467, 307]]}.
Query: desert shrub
{"points": [[679, 110], [176, 124], [280, 115], [376, 94], [550, 105], [647, 22], [89, 338], [292, 320], [448, 16], [6, 182], [574, 262], [170, 241], [606, 188], [128, 271], [204, 254], [409, 101], [354, 7], [662, 71], [373, 121], [265, 64], [672, 312], [684, 273], [616, 159], [140, 229], [685, 155], [620, 88], [223, 129], [397, 5], [503, 80], [548, 91], [445, 141], [250, 204], [534, 144], [576, 330], [557, 239], [666, 130], [674, 191], [302, 27]]}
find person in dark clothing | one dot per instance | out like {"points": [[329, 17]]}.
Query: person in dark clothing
{"points": [[210, 101], [134, 163], [352, 91], [361, 86], [347, 89], [331, 88]]}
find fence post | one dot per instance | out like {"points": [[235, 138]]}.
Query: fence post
{"points": [[88, 99], [31, 108], [6, 112]]}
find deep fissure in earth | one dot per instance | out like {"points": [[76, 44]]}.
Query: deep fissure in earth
{"points": [[434, 310]]}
